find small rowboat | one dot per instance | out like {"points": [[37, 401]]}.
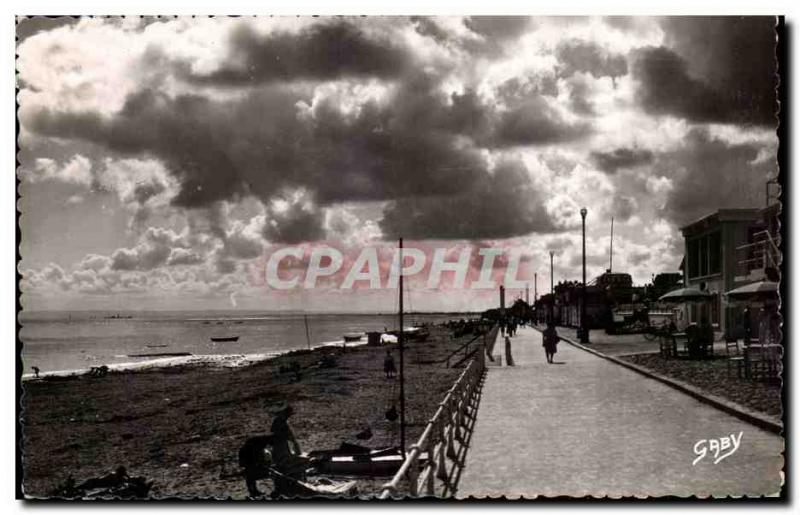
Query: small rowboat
{"points": [[353, 337], [225, 339], [350, 460]]}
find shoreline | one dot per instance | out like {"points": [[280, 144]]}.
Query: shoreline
{"points": [[233, 360], [182, 426]]}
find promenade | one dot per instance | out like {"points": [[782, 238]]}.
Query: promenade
{"points": [[586, 426]]}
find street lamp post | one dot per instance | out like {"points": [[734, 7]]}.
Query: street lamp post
{"points": [[584, 331], [552, 295]]}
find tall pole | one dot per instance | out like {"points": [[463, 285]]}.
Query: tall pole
{"points": [[611, 248], [308, 336], [584, 336], [535, 284], [401, 343], [552, 294]]}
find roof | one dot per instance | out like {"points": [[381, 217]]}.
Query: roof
{"points": [[721, 216]]}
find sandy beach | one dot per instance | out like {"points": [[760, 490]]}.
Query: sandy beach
{"points": [[182, 426]]}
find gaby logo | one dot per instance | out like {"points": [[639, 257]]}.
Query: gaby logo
{"points": [[721, 448], [381, 267]]}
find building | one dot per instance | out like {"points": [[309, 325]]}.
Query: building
{"points": [[725, 250]]}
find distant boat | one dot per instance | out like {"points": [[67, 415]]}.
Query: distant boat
{"points": [[353, 337], [225, 339], [156, 346]]}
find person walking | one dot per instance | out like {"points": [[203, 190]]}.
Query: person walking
{"points": [[550, 341]]}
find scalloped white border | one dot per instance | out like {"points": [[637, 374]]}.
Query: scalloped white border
{"points": [[566, 7]]}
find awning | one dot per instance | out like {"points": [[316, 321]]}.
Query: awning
{"points": [[755, 291], [686, 295]]}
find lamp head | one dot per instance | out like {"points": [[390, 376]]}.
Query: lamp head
{"points": [[583, 212]]}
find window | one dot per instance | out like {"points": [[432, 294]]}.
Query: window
{"points": [[715, 253], [694, 258], [705, 255]]}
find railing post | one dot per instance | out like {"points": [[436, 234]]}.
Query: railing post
{"points": [[451, 436], [441, 464], [431, 466], [413, 472]]}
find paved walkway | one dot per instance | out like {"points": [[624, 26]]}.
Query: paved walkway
{"points": [[586, 426]]}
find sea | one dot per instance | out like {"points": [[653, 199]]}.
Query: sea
{"points": [[66, 342]]}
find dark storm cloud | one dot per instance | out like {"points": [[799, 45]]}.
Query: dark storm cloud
{"points": [[584, 56], [285, 136], [719, 69], [502, 205], [535, 122], [264, 143], [498, 27], [321, 51], [717, 175], [621, 158], [260, 145]]}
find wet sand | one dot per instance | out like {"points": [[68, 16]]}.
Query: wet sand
{"points": [[182, 426]]}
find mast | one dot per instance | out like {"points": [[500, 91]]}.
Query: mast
{"points": [[400, 343], [611, 248], [308, 336]]}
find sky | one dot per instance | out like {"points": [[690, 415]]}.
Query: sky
{"points": [[163, 160]]}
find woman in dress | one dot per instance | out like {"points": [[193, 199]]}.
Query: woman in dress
{"points": [[550, 341]]}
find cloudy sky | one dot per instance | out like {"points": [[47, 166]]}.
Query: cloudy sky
{"points": [[161, 160]]}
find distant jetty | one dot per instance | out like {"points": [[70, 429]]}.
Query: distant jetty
{"points": [[159, 354]]}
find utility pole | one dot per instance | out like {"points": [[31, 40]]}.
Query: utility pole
{"points": [[400, 342], [308, 336], [552, 294], [611, 248], [584, 332]]}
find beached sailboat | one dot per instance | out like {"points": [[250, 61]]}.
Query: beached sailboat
{"points": [[417, 333]]}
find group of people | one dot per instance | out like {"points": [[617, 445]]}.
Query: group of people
{"points": [[509, 326]]}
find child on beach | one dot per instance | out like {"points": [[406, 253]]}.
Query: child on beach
{"points": [[389, 366]]}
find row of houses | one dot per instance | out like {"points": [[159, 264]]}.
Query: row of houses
{"points": [[722, 251]]}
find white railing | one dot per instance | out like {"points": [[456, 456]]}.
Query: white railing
{"points": [[427, 460]]}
